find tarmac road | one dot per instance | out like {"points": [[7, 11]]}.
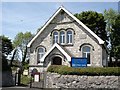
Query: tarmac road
{"points": [[20, 88]]}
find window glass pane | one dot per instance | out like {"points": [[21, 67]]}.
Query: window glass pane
{"points": [[67, 38], [69, 32], [88, 58], [41, 55], [56, 39], [86, 49], [55, 33], [71, 38], [40, 50], [84, 55]]}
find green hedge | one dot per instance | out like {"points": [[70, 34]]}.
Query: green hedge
{"points": [[65, 70]]}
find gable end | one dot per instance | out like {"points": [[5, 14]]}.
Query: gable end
{"points": [[100, 41]]}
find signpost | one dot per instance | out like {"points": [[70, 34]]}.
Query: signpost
{"points": [[37, 77], [79, 62]]}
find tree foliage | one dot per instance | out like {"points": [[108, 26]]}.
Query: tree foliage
{"points": [[5, 66], [5, 49], [95, 21], [6, 45], [110, 16], [22, 39], [115, 38]]}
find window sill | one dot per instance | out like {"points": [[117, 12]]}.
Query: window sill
{"points": [[88, 65], [66, 44], [40, 63]]}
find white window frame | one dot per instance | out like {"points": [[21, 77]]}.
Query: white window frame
{"points": [[85, 52], [69, 35], [40, 54], [62, 37], [55, 37]]}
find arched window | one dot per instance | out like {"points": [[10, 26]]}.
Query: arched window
{"points": [[86, 53], [62, 37], [55, 37], [34, 71], [69, 37], [41, 52]]}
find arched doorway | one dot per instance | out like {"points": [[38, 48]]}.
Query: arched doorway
{"points": [[57, 61]]}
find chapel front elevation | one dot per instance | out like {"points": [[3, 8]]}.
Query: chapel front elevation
{"points": [[62, 37]]}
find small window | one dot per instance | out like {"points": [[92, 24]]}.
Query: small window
{"points": [[62, 37], [41, 52], [55, 37], [86, 53], [69, 37]]}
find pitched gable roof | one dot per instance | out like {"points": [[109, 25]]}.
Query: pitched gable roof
{"points": [[60, 49], [70, 14]]}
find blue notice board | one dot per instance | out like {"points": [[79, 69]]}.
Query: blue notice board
{"points": [[79, 62]]}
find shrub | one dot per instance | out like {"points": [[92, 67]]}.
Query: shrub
{"points": [[65, 70], [25, 80]]}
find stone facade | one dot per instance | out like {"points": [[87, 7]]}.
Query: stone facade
{"points": [[55, 80], [98, 54]]}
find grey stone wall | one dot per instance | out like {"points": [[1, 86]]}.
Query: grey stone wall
{"points": [[54, 80]]}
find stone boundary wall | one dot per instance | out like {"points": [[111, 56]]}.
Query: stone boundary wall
{"points": [[54, 80]]}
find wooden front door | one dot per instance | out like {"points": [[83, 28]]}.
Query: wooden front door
{"points": [[57, 61]]}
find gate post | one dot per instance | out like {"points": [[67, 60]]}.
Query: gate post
{"points": [[44, 79], [17, 77], [31, 81]]}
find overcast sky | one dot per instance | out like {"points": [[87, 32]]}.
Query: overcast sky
{"points": [[29, 16]]}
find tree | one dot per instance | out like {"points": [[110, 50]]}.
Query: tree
{"points": [[115, 39], [21, 40], [5, 66], [3, 53], [95, 21], [6, 45], [110, 16]]}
